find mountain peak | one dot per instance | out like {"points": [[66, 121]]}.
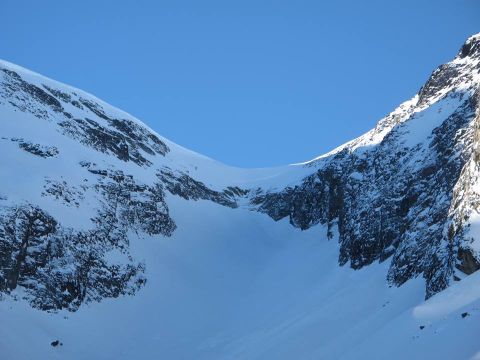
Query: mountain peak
{"points": [[471, 47]]}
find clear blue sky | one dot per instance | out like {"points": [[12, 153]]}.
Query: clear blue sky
{"points": [[250, 83]]}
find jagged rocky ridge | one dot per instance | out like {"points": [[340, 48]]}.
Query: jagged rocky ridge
{"points": [[406, 190], [398, 197]]}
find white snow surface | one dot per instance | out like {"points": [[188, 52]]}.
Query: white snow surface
{"points": [[236, 285]]}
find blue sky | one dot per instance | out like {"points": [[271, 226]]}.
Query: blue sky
{"points": [[249, 83]]}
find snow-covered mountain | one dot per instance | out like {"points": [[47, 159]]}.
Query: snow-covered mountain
{"points": [[116, 243]]}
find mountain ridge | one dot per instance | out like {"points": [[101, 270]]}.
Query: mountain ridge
{"points": [[89, 193]]}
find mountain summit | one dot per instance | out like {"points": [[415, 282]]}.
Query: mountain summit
{"points": [[117, 243]]}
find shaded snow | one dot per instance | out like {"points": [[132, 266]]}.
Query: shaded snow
{"points": [[237, 287]]}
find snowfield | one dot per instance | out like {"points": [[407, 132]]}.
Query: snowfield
{"points": [[239, 286]]}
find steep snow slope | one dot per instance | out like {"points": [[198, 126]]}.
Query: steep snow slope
{"points": [[122, 244], [238, 286]]}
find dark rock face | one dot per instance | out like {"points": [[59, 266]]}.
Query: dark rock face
{"points": [[21, 94], [471, 48], [444, 76], [44, 151], [39, 150], [394, 200], [188, 188], [105, 140], [134, 205], [123, 138], [60, 267], [68, 195], [388, 201], [468, 263]]}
